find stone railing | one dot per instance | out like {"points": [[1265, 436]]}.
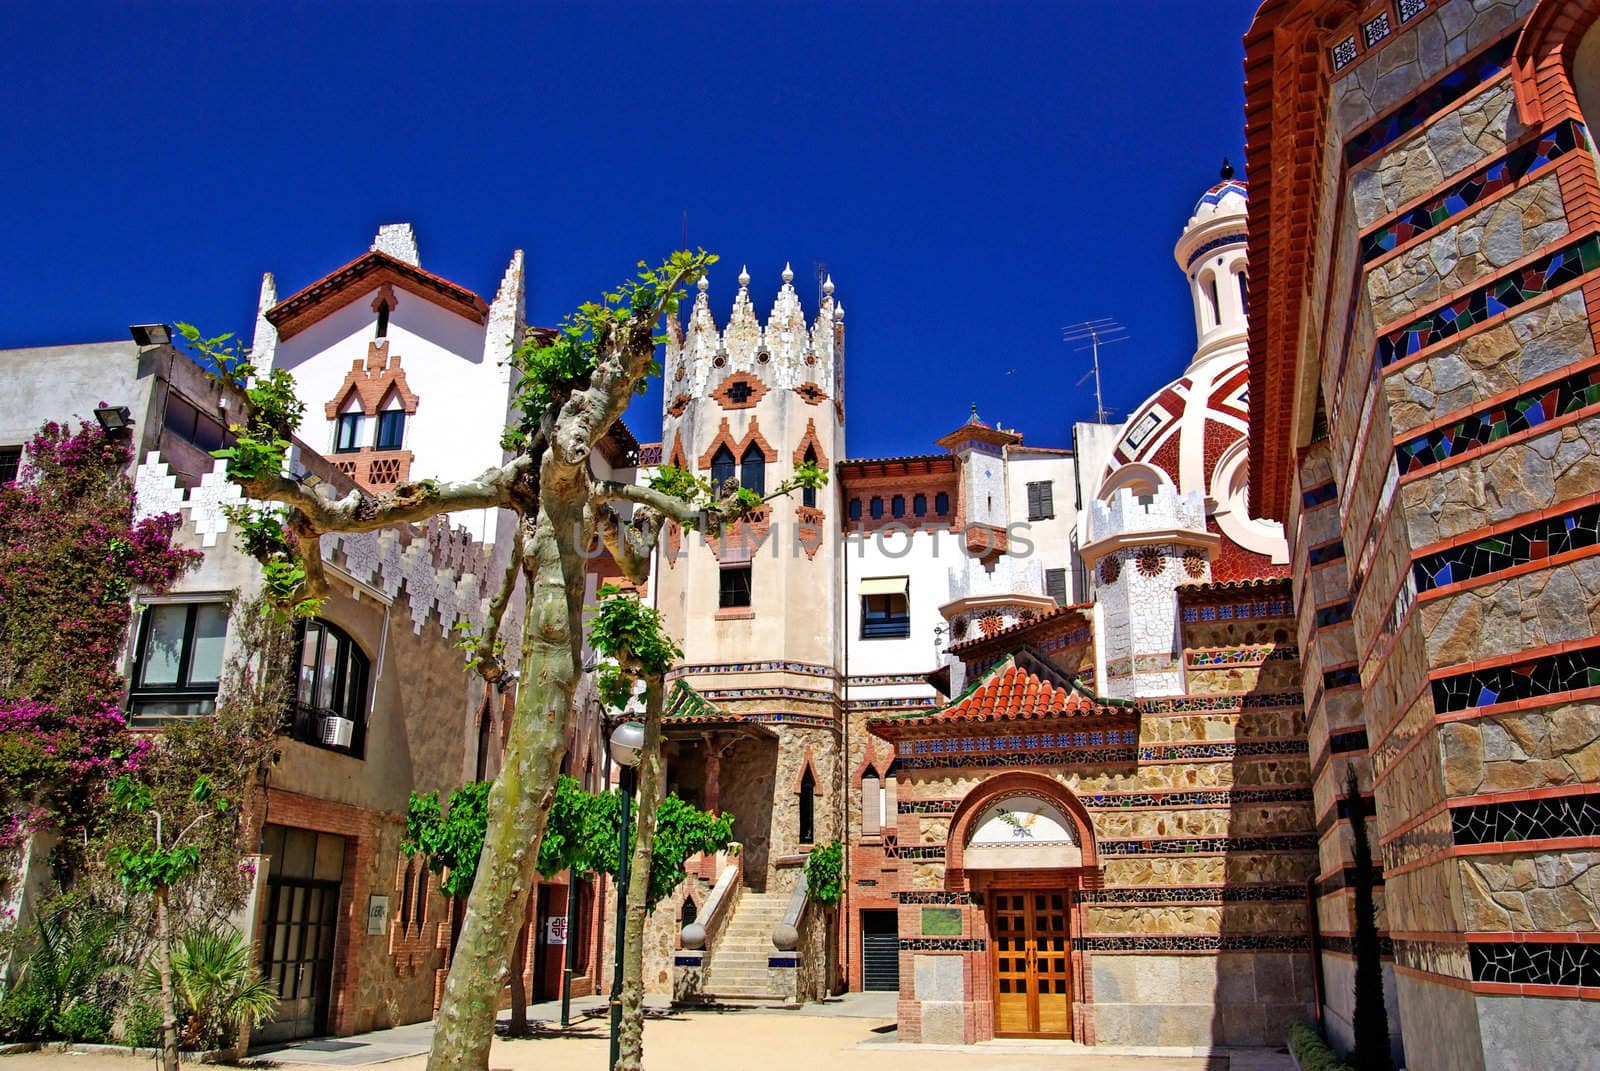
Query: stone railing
{"points": [[697, 939], [798, 968]]}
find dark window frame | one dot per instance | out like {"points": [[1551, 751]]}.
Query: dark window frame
{"points": [[753, 469], [723, 466], [345, 427], [808, 495], [882, 619], [1056, 578], [387, 419], [1041, 500], [941, 503], [735, 583], [808, 806], [10, 464], [855, 509], [351, 690], [180, 690], [919, 505]]}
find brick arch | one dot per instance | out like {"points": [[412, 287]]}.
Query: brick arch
{"points": [[978, 800], [372, 380], [737, 447], [1541, 64], [810, 439]]}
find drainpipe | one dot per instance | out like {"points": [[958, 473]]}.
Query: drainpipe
{"points": [[845, 928]]}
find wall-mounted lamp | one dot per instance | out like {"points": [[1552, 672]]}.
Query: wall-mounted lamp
{"points": [[113, 418], [151, 334]]}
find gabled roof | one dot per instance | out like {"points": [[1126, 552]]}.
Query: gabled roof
{"points": [[687, 709], [310, 304], [1011, 633], [1023, 686]]}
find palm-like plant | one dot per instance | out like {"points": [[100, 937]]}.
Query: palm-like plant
{"points": [[75, 948], [218, 987]]}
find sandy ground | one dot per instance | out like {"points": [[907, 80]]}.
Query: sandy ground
{"points": [[732, 1041]]}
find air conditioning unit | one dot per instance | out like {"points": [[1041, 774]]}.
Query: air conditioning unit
{"points": [[338, 732]]}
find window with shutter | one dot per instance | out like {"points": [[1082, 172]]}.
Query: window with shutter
{"points": [[1055, 585], [1041, 501]]}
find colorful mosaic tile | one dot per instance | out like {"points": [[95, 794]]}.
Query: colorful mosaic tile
{"points": [[1376, 29], [943, 944], [1416, 109], [1347, 740], [1536, 819], [1527, 963], [1508, 292], [936, 896], [927, 806], [1343, 677], [1542, 539], [1507, 171], [1282, 842], [810, 668], [1199, 894], [1269, 700], [1209, 942], [1214, 798], [1563, 671], [1326, 553], [1337, 614], [1119, 756], [1344, 53], [923, 851], [1569, 395], [1233, 611], [1410, 9]]}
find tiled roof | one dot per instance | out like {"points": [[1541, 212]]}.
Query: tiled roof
{"points": [[687, 704], [309, 304], [1020, 687], [1247, 583], [1011, 631]]}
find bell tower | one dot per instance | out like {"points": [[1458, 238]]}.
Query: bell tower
{"points": [[756, 608]]}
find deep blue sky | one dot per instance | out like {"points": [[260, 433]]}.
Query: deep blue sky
{"points": [[975, 175]]}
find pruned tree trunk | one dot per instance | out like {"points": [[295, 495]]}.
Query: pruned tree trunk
{"points": [[520, 800], [630, 1054], [169, 1000]]}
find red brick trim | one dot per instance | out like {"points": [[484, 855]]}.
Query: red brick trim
{"points": [[724, 397], [978, 799], [678, 405], [725, 437], [371, 381], [811, 393], [810, 439], [1542, 60]]}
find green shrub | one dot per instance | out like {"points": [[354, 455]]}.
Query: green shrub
{"points": [[825, 874], [1311, 1051], [141, 1026], [25, 1014], [84, 1022]]}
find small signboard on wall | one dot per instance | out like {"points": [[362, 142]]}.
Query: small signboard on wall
{"points": [[555, 930], [377, 915]]}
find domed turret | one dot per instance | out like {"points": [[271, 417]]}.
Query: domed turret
{"points": [[1211, 252]]}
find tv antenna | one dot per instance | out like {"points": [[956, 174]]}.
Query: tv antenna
{"points": [[1094, 334]]}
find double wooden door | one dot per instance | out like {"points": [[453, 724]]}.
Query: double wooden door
{"points": [[1032, 964]]}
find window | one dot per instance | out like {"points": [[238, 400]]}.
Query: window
{"points": [[808, 807], [1055, 585], [941, 503], [739, 392], [187, 422], [178, 661], [1208, 284], [753, 469], [347, 436], [855, 509], [1244, 290], [871, 808], [735, 589], [391, 429], [1041, 501], [10, 463], [885, 608], [383, 320], [919, 505], [897, 505], [485, 735], [876, 508], [722, 466], [808, 495], [331, 692]]}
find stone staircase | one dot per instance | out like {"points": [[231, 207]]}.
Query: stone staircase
{"points": [[738, 962]]}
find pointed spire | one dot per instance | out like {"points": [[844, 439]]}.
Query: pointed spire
{"points": [[743, 335], [398, 240], [786, 327], [744, 277], [265, 344], [788, 272], [973, 419], [827, 286]]}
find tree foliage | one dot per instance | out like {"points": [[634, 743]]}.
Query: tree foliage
{"points": [[825, 874], [71, 553], [449, 842], [582, 833], [682, 830]]}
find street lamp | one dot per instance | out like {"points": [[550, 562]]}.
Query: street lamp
{"points": [[627, 741]]}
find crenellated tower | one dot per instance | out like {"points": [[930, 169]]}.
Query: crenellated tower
{"points": [[756, 609]]}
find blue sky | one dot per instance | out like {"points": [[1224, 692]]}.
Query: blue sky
{"points": [[975, 175]]}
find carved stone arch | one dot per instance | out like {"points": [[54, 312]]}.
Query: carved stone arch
{"points": [[1142, 477], [978, 801]]}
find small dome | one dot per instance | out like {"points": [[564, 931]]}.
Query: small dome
{"points": [[1228, 196]]}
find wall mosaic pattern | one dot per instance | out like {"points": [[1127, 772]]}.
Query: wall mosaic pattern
{"points": [[1206, 942], [1526, 963], [1562, 671], [1577, 391], [1505, 172], [1232, 611], [1414, 112], [1519, 820], [1508, 292], [1545, 538]]}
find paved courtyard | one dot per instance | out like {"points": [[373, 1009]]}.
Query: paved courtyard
{"points": [[853, 1034]]}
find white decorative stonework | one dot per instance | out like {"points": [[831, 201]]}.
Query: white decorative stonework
{"points": [[157, 492]]}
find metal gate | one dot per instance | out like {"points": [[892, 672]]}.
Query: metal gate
{"points": [[880, 950]]}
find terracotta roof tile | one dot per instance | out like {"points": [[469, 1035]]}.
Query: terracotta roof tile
{"points": [[1018, 688]]}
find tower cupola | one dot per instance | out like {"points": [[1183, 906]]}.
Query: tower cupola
{"points": [[1211, 252]]}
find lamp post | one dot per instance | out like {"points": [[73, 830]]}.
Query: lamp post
{"points": [[627, 740]]}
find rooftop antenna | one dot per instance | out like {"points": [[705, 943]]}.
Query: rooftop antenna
{"points": [[822, 275], [1095, 333], [685, 244]]}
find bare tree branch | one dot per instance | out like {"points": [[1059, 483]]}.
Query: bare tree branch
{"points": [[414, 501], [491, 667]]}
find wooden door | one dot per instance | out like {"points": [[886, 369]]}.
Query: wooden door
{"points": [[1032, 966]]}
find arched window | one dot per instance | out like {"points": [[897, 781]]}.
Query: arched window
{"points": [[875, 507], [406, 893], [808, 807], [1244, 290], [722, 465], [871, 807], [855, 509], [422, 897], [941, 503], [383, 320], [330, 703], [687, 913], [897, 505], [753, 469], [919, 505], [808, 495], [1208, 287]]}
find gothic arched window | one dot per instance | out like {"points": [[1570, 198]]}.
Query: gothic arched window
{"points": [[808, 496], [808, 807], [753, 469], [722, 466]]}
